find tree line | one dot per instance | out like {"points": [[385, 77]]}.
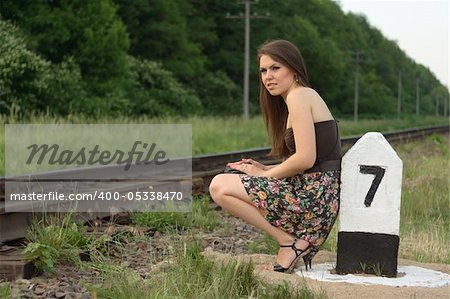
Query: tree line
{"points": [[184, 57]]}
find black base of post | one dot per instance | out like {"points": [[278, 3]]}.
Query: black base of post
{"points": [[367, 253]]}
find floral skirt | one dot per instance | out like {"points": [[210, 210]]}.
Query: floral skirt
{"points": [[305, 205]]}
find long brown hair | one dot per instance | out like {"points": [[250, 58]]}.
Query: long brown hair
{"points": [[274, 108]]}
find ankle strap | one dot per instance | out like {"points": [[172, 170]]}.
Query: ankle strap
{"points": [[296, 250], [290, 245], [293, 247]]}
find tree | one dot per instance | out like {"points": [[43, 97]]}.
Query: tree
{"points": [[29, 83], [199, 51], [158, 32], [88, 31], [376, 98], [157, 93], [323, 59]]}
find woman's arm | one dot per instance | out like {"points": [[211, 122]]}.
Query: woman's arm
{"points": [[300, 113], [268, 167]]}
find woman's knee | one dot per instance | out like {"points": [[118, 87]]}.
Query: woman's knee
{"points": [[223, 185], [216, 187]]}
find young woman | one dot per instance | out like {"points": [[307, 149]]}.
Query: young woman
{"points": [[296, 202]]}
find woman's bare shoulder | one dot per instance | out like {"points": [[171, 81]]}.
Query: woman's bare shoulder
{"points": [[305, 94], [309, 100], [309, 92]]}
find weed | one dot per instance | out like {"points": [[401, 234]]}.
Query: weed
{"points": [[201, 216], [226, 228], [377, 269], [52, 239], [160, 221], [424, 219], [192, 275], [101, 246], [363, 267], [5, 290], [265, 244]]}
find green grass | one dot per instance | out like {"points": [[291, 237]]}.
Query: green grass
{"points": [[192, 275], [425, 211], [201, 216], [265, 244], [53, 239], [5, 290], [216, 134], [186, 273]]}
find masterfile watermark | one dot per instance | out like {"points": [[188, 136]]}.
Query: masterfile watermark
{"points": [[52, 154], [98, 168]]}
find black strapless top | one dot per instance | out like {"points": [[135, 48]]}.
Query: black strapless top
{"points": [[328, 145]]}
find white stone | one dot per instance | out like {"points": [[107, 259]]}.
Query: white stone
{"points": [[383, 215], [409, 276]]}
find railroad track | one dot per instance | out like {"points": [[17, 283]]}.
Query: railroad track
{"points": [[13, 225]]}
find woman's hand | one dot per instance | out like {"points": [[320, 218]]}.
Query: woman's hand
{"points": [[250, 161], [249, 167], [256, 164]]}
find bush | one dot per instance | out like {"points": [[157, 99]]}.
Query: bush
{"points": [[219, 94], [29, 83], [22, 78], [155, 92]]}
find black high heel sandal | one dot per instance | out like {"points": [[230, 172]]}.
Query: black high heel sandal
{"points": [[299, 253], [307, 259]]}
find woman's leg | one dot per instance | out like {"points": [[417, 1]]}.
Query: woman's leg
{"points": [[228, 192]]}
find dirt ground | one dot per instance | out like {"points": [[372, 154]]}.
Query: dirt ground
{"points": [[339, 289]]}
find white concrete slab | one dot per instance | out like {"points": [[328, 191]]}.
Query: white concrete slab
{"points": [[409, 276]]}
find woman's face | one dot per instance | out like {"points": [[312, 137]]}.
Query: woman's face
{"points": [[276, 77]]}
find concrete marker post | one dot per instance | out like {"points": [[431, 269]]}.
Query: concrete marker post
{"points": [[368, 237]]}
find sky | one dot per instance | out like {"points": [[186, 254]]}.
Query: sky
{"points": [[420, 27]]}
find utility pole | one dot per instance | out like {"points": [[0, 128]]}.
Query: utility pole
{"points": [[399, 95], [247, 17], [437, 105], [357, 56], [356, 100], [417, 96], [445, 106], [246, 58]]}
